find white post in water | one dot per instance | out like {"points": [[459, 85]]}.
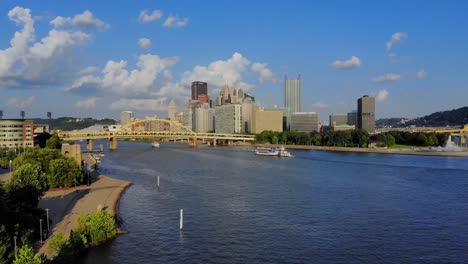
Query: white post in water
{"points": [[181, 219], [158, 181]]}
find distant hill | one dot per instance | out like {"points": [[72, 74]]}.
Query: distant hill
{"points": [[72, 123], [455, 117]]}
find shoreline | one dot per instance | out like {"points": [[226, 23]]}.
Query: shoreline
{"points": [[370, 150], [66, 205]]}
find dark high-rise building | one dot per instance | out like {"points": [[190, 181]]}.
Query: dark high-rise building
{"points": [[352, 118], [199, 88], [366, 113]]}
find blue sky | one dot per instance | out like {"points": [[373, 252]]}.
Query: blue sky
{"points": [[410, 54]]}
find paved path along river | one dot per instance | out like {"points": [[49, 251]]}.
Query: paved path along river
{"points": [[316, 207]]}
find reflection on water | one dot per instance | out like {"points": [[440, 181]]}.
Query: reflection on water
{"points": [[316, 207]]}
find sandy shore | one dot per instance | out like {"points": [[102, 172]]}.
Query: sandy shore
{"points": [[421, 152], [65, 205]]}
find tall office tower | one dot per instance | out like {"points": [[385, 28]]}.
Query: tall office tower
{"points": [[172, 110], [126, 117], [199, 88], [202, 118], [292, 93], [187, 117], [366, 113], [228, 118], [338, 119], [352, 118]]}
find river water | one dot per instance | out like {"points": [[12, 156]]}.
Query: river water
{"points": [[316, 207]]}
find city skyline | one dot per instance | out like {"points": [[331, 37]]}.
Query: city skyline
{"points": [[142, 56]]}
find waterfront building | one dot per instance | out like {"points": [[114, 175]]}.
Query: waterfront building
{"points": [[202, 118], [15, 133], [179, 117], [247, 108], [352, 118], [72, 151], [266, 121], [172, 110], [292, 93], [342, 127], [199, 88], [304, 121], [41, 128], [228, 118], [338, 119], [286, 115], [187, 117], [126, 117], [366, 113]]}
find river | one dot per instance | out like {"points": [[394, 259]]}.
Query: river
{"points": [[316, 207]]}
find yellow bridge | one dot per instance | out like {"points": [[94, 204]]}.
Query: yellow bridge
{"points": [[160, 129], [462, 133]]}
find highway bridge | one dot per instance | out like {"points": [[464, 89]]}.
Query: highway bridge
{"points": [[158, 129]]}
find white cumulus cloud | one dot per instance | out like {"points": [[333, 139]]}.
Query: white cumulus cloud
{"points": [[86, 20], [319, 105], [175, 21], [35, 64], [144, 43], [147, 18], [264, 73], [87, 103], [381, 95], [353, 62], [89, 70], [396, 38], [390, 77], [140, 104], [21, 103], [421, 74]]}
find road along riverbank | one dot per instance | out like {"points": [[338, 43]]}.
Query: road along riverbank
{"points": [[66, 205]]}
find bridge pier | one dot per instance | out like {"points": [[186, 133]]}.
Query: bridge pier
{"points": [[214, 142], [89, 144], [113, 143]]}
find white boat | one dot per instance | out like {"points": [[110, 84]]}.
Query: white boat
{"points": [[267, 151], [155, 144], [277, 152]]}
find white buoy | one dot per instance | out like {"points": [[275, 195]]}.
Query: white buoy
{"points": [[181, 219], [158, 181]]}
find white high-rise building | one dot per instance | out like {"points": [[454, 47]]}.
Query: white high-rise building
{"points": [[292, 93], [172, 110], [228, 119], [202, 118], [187, 117], [126, 117]]}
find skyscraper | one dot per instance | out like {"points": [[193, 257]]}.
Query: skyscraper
{"points": [[126, 117], [172, 110], [366, 113], [199, 88], [292, 93]]}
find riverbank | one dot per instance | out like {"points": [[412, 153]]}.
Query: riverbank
{"points": [[420, 152], [66, 205]]}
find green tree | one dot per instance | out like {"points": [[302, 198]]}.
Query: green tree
{"points": [[26, 185], [6, 248], [26, 255], [64, 172], [54, 142], [101, 227], [57, 243], [389, 140], [274, 140], [421, 139]]}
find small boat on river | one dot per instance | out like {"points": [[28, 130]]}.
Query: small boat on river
{"points": [[272, 151], [155, 144]]}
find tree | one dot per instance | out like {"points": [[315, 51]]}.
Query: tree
{"points": [[389, 140], [26, 255], [421, 139], [26, 185], [57, 243], [6, 249], [101, 226], [274, 140], [54, 142], [64, 172]]}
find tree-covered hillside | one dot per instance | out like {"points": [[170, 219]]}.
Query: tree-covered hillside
{"points": [[455, 117]]}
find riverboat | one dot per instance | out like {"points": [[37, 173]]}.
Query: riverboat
{"points": [[155, 144], [274, 152]]}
